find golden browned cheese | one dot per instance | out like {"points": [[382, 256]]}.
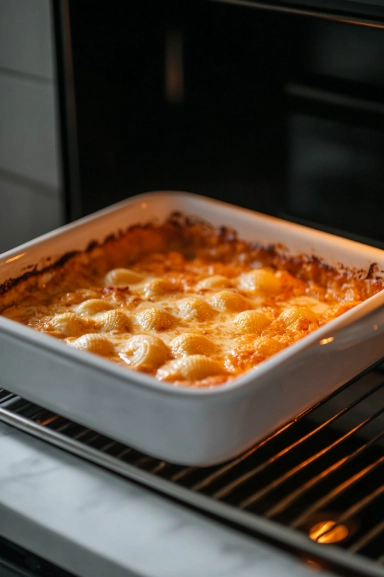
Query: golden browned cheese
{"points": [[184, 302]]}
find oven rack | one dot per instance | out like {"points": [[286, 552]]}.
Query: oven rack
{"points": [[314, 486]]}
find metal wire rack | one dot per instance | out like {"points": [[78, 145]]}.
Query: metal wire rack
{"points": [[315, 485]]}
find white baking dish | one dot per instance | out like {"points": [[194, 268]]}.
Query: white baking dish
{"points": [[185, 425]]}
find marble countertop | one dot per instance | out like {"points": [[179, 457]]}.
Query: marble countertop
{"points": [[96, 524]]}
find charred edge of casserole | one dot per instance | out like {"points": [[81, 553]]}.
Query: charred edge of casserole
{"points": [[187, 233], [373, 272], [34, 272]]}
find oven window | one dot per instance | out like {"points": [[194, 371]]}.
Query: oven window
{"points": [[335, 175]]}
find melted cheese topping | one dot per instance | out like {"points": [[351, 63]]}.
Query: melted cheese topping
{"points": [[199, 320]]}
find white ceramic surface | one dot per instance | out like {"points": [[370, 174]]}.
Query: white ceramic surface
{"points": [[190, 426]]}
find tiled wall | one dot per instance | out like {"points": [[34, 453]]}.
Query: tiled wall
{"points": [[30, 179]]}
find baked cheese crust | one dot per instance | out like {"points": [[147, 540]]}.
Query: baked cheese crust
{"points": [[184, 302]]}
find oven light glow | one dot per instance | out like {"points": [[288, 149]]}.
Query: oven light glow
{"points": [[328, 532], [47, 421], [15, 257], [326, 341], [313, 564], [174, 68]]}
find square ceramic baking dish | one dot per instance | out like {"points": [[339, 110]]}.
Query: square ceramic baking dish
{"points": [[178, 424]]}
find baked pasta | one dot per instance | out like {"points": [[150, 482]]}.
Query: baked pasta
{"points": [[183, 301]]}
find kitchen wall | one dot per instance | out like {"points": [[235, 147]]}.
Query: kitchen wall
{"points": [[30, 179]]}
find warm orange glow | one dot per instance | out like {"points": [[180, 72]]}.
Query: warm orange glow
{"points": [[328, 532], [47, 421], [313, 564], [174, 72], [15, 257], [326, 341]]}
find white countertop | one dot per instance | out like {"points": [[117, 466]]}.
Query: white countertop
{"points": [[96, 524]]}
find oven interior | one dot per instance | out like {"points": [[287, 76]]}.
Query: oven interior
{"points": [[275, 106]]}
